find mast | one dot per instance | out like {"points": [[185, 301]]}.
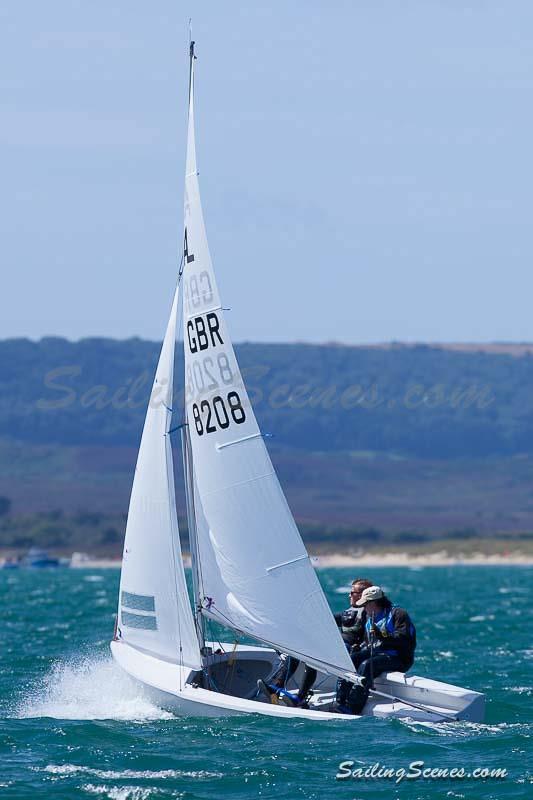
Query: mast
{"points": [[255, 574], [191, 144], [193, 536], [188, 470], [191, 59]]}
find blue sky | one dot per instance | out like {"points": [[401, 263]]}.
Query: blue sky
{"points": [[365, 167]]}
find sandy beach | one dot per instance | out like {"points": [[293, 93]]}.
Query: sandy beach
{"points": [[372, 559], [403, 559]]}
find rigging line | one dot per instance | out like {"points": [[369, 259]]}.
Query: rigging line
{"points": [[177, 428], [199, 560], [181, 266], [193, 541], [187, 445], [232, 625], [187, 465], [230, 672], [179, 324], [173, 545], [177, 542]]}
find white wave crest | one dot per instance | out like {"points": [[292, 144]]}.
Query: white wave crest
{"points": [[464, 728], [111, 774], [89, 688], [121, 792]]}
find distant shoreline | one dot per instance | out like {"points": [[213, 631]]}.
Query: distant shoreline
{"points": [[483, 552], [401, 559], [392, 559]]}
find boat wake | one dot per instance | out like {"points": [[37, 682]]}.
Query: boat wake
{"points": [[86, 689]]}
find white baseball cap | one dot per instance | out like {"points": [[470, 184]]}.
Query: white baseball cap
{"points": [[371, 593]]}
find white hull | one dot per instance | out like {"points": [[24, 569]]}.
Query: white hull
{"points": [[170, 687]]}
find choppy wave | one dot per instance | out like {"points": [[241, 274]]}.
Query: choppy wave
{"points": [[111, 774], [464, 728], [134, 756], [86, 689], [122, 792]]}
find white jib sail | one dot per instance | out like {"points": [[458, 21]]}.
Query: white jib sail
{"points": [[154, 608], [254, 572]]}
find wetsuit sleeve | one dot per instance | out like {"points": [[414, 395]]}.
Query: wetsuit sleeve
{"points": [[402, 624]]}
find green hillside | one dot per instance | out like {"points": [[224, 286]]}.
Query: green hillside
{"points": [[372, 445], [416, 401]]}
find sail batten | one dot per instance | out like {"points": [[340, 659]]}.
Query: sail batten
{"points": [[254, 566]]}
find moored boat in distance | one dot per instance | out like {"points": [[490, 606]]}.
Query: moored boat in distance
{"points": [[10, 562], [251, 571], [37, 558]]}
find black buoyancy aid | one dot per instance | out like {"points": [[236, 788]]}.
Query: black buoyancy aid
{"points": [[352, 625]]}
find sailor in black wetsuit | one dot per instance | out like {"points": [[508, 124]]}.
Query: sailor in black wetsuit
{"points": [[352, 620], [352, 625]]}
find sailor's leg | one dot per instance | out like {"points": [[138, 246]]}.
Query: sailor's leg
{"points": [[382, 662], [344, 687], [358, 692], [285, 669], [308, 679], [343, 690], [368, 668]]}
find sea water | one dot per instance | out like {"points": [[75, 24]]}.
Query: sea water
{"points": [[75, 726]]}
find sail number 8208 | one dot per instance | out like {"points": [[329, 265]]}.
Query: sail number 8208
{"points": [[211, 415]]}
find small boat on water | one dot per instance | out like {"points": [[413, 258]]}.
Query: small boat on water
{"points": [[39, 559], [9, 563], [251, 572]]}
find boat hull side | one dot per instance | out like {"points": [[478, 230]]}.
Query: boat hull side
{"points": [[172, 687]]}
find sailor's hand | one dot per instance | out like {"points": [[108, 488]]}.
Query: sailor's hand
{"points": [[354, 649]]}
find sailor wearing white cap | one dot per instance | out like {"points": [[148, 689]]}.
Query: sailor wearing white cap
{"points": [[390, 642]]}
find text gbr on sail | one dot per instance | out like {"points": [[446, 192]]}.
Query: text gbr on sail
{"points": [[200, 337]]}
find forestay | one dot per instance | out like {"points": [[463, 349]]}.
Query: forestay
{"points": [[154, 608], [254, 572]]}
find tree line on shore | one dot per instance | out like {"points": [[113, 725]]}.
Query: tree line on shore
{"points": [[417, 401]]}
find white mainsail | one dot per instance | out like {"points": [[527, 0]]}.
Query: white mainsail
{"points": [[154, 610], [254, 572]]}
